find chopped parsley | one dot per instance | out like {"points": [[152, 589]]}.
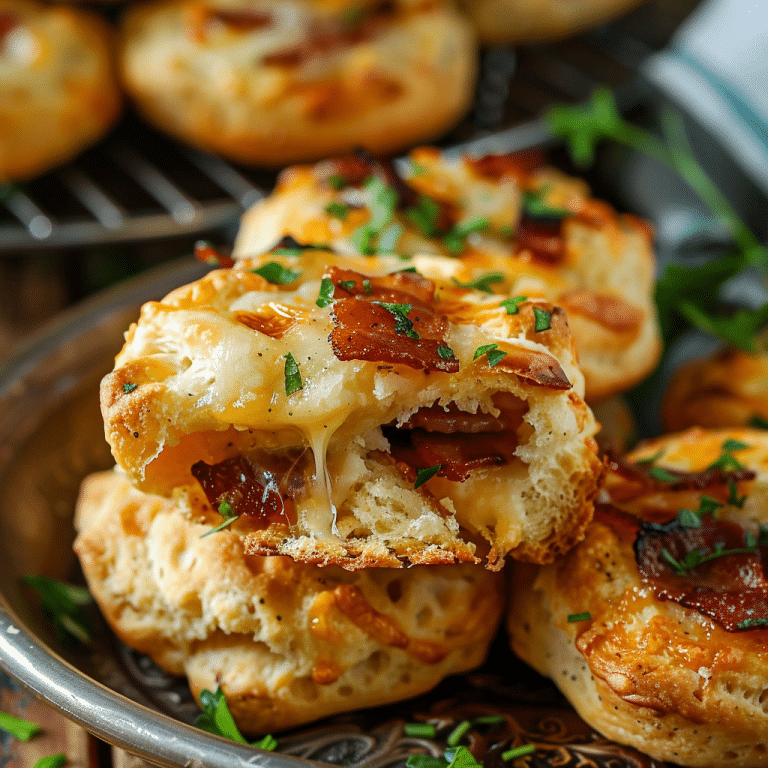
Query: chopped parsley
{"points": [[293, 382], [446, 353], [659, 473], [326, 293], [585, 616], [733, 495], [758, 422], [424, 215], [337, 210], [276, 273], [512, 305], [483, 282], [515, 752], [403, 324], [336, 181], [225, 509], [347, 285], [542, 320], [455, 757], [422, 475], [420, 730], [751, 623], [492, 352], [216, 718], [129, 386], [697, 557], [534, 205], [727, 460], [64, 606], [20, 729], [52, 761]]}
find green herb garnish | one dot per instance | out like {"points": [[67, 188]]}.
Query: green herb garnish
{"points": [[758, 422], [733, 495], [542, 320], [482, 283], [129, 386], [337, 210], [20, 729], [216, 718], [225, 509], [515, 752], [513, 305], [326, 293], [573, 617], [685, 296], [651, 459], [63, 605], [276, 273], [456, 735], [535, 205], [420, 730], [659, 473], [403, 324], [697, 557], [336, 181], [750, 623], [424, 215], [52, 761], [347, 285], [293, 382], [422, 475], [727, 460], [446, 353]]}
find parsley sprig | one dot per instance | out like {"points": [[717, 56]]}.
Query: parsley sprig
{"points": [[403, 323], [686, 296], [482, 282], [216, 718], [292, 375], [64, 606], [226, 511]]}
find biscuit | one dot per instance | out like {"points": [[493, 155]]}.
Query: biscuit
{"points": [[288, 643], [58, 87], [502, 213], [359, 411], [527, 21], [269, 83], [726, 389], [670, 659]]}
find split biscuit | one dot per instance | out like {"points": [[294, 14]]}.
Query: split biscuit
{"points": [[360, 411]]}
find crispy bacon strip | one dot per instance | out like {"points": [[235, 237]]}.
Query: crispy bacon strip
{"points": [[365, 329], [543, 239], [519, 165], [730, 589], [8, 22], [535, 367], [264, 494]]}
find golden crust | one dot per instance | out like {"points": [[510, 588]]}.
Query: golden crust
{"points": [[58, 88], [288, 643], [726, 389], [195, 383], [649, 673], [272, 83], [602, 276], [509, 21]]}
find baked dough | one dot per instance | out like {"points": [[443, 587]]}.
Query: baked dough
{"points": [[726, 389], [268, 83], [58, 88], [664, 678], [597, 264], [288, 643], [470, 391], [526, 21]]}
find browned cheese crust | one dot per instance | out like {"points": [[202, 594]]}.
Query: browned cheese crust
{"points": [[509, 214], [525, 21], [659, 676], [726, 389], [287, 643], [269, 83], [398, 371], [58, 88]]}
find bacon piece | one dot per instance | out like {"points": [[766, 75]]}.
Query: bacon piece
{"points": [[518, 165], [268, 321], [243, 19], [609, 311], [204, 251], [730, 589], [535, 367], [8, 22], [366, 330], [250, 489], [542, 238]]}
